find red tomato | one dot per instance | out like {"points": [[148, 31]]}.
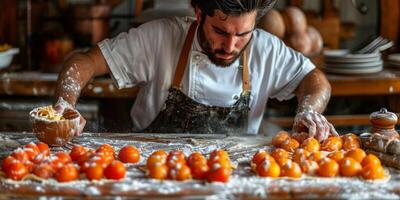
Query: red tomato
{"points": [[31, 153], [67, 173], [44, 171], [64, 157], [116, 170], [7, 163], [220, 174], [43, 148], [29, 165], [179, 172], [94, 172], [20, 154], [199, 170], [76, 152], [106, 148], [17, 170], [195, 159], [39, 158], [129, 154], [33, 146], [174, 157]]}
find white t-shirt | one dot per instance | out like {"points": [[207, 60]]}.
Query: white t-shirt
{"points": [[147, 56]]}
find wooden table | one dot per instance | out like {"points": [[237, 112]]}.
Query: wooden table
{"points": [[242, 185]]}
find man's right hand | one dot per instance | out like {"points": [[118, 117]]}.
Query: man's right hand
{"points": [[61, 106]]}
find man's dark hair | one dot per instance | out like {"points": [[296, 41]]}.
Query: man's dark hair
{"points": [[234, 7]]}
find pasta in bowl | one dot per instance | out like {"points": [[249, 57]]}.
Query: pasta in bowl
{"points": [[54, 128]]}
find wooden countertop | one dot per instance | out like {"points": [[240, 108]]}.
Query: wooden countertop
{"points": [[243, 183], [386, 82]]}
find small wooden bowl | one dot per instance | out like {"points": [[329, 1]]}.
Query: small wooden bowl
{"points": [[55, 132]]}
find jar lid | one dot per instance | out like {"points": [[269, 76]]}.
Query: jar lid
{"points": [[383, 117]]}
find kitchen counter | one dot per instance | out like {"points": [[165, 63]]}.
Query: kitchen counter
{"points": [[243, 183]]}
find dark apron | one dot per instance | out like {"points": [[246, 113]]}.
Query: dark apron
{"points": [[181, 114]]}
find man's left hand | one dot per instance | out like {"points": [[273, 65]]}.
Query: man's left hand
{"points": [[316, 124]]}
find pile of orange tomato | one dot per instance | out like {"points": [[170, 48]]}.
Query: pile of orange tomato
{"points": [[175, 166], [94, 164], [336, 156]]}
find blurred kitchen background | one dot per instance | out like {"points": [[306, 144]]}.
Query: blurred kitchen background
{"points": [[44, 33]]}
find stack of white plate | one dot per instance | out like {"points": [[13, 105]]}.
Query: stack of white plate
{"points": [[343, 62], [394, 60]]}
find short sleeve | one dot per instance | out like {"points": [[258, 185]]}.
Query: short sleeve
{"points": [[130, 56], [290, 69]]}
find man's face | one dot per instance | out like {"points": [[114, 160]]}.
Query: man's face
{"points": [[224, 37]]}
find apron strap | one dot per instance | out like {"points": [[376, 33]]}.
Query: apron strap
{"points": [[183, 58], [245, 73]]}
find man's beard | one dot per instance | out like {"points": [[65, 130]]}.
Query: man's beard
{"points": [[206, 46]]}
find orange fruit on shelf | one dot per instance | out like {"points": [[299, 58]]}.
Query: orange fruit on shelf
{"points": [[199, 169], [336, 155], [44, 171], [311, 145], [259, 157], [300, 154], [281, 156], [17, 170], [94, 172], [219, 162], [219, 174], [333, 143], [351, 141], [67, 173], [76, 152], [349, 167], [179, 172], [290, 145], [31, 153], [268, 168], [161, 153], [107, 149], [328, 167], [372, 172], [279, 138], [64, 157], [83, 158], [43, 148], [20, 154], [115, 170], [174, 157], [218, 153], [357, 153], [291, 169], [158, 171], [54, 161], [316, 156], [371, 159], [129, 154], [309, 167]]}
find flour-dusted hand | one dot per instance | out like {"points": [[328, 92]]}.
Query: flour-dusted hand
{"points": [[314, 123], [63, 106]]}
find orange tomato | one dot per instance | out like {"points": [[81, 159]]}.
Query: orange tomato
{"points": [[17, 170], [328, 167], [106, 148], [291, 169], [30, 153], [76, 152], [116, 170], [300, 154], [196, 158], [176, 157], [309, 167], [279, 138], [267, 168], [311, 145], [337, 155], [94, 172], [370, 159], [161, 153], [44, 170], [259, 157], [64, 157], [33, 146], [219, 174], [372, 172], [43, 148], [154, 160], [290, 145], [316, 156], [129, 154], [279, 153], [334, 143], [351, 141], [66, 173], [199, 169], [349, 167], [29, 165], [179, 172], [83, 158], [219, 162], [39, 158], [357, 153], [158, 171]]}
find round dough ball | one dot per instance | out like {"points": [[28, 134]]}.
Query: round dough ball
{"points": [[316, 40], [295, 20], [273, 23], [300, 41]]}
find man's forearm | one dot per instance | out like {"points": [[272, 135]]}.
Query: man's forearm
{"points": [[313, 93], [76, 72]]}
